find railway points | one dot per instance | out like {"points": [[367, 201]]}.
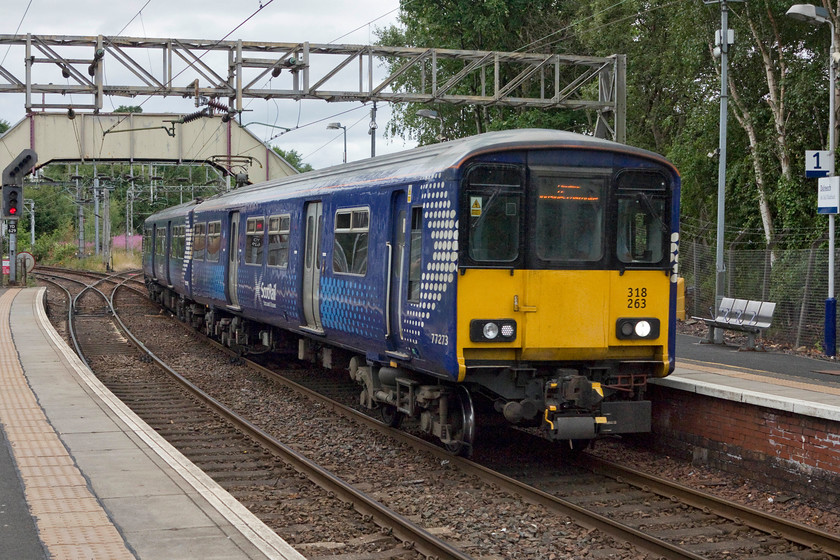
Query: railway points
{"points": [[97, 481]]}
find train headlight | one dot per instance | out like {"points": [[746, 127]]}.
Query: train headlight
{"points": [[642, 329], [492, 330], [637, 328]]}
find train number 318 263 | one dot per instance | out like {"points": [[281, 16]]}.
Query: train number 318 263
{"points": [[636, 298]]}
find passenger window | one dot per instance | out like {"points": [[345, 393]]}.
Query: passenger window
{"points": [[254, 237], [199, 245], [160, 242], [350, 245], [214, 241], [178, 242], [494, 195], [278, 240]]}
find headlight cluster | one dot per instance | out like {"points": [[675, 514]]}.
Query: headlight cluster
{"points": [[492, 330], [637, 328]]}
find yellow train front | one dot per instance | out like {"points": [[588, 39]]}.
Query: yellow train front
{"points": [[566, 285]]}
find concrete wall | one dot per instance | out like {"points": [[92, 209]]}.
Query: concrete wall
{"points": [[142, 137]]}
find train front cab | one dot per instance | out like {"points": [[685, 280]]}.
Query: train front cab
{"points": [[566, 293]]}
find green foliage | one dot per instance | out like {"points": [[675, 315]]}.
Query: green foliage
{"points": [[491, 25], [129, 109], [53, 210], [293, 157], [55, 248], [4, 126]]}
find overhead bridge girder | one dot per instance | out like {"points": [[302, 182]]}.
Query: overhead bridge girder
{"points": [[144, 137], [237, 70]]}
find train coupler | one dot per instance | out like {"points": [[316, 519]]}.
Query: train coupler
{"points": [[562, 427], [571, 403]]}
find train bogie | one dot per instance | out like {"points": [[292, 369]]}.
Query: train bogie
{"points": [[534, 270]]}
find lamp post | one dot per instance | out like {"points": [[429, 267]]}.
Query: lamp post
{"points": [[432, 114], [336, 126], [818, 15], [723, 51]]}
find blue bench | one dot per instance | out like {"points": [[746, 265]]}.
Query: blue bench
{"points": [[743, 315]]}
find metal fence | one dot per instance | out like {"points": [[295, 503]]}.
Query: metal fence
{"points": [[796, 279]]}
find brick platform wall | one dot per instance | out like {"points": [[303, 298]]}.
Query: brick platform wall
{"points": [[798, 453]]}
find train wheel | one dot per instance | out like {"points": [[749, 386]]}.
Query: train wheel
{"points": [[390, 415], [462, 418]]}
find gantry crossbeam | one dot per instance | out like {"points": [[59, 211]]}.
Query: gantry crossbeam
{"points": [[238, 70]]}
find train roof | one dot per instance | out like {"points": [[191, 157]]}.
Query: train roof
{"points": [[418, 164], [173, 211]]}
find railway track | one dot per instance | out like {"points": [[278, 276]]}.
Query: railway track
{"points": [[634, 509]]}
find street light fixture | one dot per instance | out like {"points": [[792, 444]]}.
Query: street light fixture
{"points": [[818, 15], [336, 126], [432, 114]]}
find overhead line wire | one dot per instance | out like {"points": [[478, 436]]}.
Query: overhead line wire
{"points": [[26, 11], [207, 50]]}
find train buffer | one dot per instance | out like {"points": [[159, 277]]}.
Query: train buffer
{"points": [[748, 316]]}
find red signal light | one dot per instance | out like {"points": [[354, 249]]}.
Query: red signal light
{"points": [[12, 210]]}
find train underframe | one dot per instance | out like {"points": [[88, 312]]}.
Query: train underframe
{"points": [[572, 403]]}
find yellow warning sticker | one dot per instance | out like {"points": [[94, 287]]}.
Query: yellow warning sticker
{"points": [[475, 206]]}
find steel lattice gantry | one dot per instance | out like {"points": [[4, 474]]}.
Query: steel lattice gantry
{"points": [[237, 70]]}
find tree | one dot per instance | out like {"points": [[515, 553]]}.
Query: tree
{"points": [[294, 158], [4, 126], [493, 25], [129, 109]]}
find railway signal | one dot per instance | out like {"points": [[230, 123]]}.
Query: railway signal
{"points": [[13, 176], [11, 201]]}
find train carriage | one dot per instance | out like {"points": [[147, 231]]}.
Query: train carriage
{"points": [[532, 270]]}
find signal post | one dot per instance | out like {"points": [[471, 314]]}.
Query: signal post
{"points": [[13, 176]]}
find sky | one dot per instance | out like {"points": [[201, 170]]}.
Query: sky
{"points": [[315, 21]]}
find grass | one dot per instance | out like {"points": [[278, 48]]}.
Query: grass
{"points": [[120, 261]]}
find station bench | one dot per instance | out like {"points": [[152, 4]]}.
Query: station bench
{"points": [[748, 316]]}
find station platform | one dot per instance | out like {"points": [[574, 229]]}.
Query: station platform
{"points": [[82, 477], [784, 382]]}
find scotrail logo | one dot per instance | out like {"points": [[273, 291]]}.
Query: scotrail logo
{"points": [[267, 293]]}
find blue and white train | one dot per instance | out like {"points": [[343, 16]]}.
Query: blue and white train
{"points": [[531, 270]]}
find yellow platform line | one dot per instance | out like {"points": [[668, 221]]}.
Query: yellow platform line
{"points": [[71, 523]]}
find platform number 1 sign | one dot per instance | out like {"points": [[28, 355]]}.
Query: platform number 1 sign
{"points": [[818, 163]]}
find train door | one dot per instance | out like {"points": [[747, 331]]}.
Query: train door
{"points": [[153, 258], [233, 260], [397, 257], [159, 264], [170, 254], [312, 261]]}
